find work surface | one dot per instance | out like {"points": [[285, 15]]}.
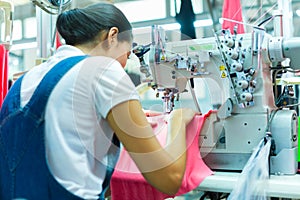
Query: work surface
{"points": [[283, 186]]}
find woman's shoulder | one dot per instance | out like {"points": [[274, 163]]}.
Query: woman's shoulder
{"points": [[102, 63], [100, 60]]}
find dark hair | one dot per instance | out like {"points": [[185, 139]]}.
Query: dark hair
{"points": [[82, 25]]}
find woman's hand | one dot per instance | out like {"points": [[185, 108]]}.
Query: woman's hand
{"points": [[183, 114], [177, 123]]}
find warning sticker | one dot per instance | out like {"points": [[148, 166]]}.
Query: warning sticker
{"points": [[222, 68], [223, 74]]}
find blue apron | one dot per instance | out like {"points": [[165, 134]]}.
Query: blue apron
{"points": [[23, 167]]}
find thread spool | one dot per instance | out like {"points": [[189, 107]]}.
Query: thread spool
{"points": [[246, 96], [233, 54], [229, 42], [236, 66], [242, 84]]}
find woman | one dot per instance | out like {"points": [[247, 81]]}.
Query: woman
{"points": [[85, 106]]}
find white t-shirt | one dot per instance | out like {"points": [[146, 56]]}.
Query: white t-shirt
{"points": [[77, 135]]}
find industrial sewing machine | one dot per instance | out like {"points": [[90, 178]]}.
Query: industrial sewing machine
{"points": [[241, 66]]}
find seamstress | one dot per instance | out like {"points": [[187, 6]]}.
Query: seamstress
{"points": [[91, 102]]}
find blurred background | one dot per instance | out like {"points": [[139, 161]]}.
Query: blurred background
{"points": [[142, 14]]}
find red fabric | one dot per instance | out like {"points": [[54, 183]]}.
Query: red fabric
{"points": [[128, 184], [3, 73], [57, 38], [232, 10]]}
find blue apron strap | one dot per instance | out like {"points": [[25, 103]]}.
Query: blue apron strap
{"points": [[42, 92]]}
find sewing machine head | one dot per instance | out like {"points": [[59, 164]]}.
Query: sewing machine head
{"points": [[227, 59]]}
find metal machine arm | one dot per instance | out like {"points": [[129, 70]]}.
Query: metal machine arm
{"points": [[52, 6]]}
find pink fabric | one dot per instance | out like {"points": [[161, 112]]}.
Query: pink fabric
{"points": [[232, 10], [127, 183]]}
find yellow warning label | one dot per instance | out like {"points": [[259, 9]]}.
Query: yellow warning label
{"points": [[223, 74], [222, 68]]}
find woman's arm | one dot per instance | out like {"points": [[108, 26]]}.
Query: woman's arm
{"points": [[162, 168]]}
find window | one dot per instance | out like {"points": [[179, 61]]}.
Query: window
{"points": [[17, 30], [30, 27], [143, 10]]}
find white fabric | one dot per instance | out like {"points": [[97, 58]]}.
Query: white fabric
{"points": [[77, 135]]}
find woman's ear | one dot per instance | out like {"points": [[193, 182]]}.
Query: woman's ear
{"points": [[112, 35]]}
